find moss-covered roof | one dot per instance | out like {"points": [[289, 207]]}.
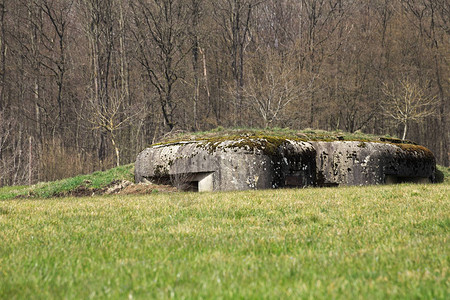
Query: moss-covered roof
{"points": [[266, 144], [234, 134], [268, 140]]}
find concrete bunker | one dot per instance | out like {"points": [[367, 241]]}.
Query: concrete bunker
{"points": [[240, 164], [246, 162], [367, 163]]}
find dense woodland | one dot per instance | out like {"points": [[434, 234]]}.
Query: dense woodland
{"points": [[87, 84]]}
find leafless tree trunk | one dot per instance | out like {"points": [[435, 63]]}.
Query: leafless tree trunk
{"points": [[2, 56], [234, 17], [161, 33], [194, 34], [99, 30], [54, 58]]}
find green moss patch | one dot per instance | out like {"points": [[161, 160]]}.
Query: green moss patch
{"points": [[422, 151], [275, 137], [267, 145]]}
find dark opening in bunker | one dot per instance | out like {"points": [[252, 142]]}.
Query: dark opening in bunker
{"points": [[186, 186], [322, 182], [191, 186], [395, 179], [293, 181], [188, 182], [185, 182]]}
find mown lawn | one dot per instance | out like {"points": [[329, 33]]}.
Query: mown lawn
{"points": [[346, 243]]}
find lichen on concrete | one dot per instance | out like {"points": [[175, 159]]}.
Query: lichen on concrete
{"points": [[233, 164], [261, 161]]}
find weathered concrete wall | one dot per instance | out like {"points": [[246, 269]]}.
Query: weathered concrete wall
{"points": [[260, 164], [363, 163], [229, 165]]}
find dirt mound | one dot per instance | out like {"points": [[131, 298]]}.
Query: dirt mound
{"points": [[116, 186], [147, 189], [80, 191], [123, 187], [83, 190]]}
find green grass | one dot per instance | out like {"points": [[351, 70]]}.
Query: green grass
{"points": [[443, 174], [377, 242], [65, 186]]}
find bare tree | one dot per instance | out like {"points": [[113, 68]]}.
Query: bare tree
{"points": [[98, 22], [54, 40], [2, 55], [234, 18], [195, 41], [319, 21], [271, 86], [161, 33], [5, 133], [407, 102], [112, 117], [432, 18]]}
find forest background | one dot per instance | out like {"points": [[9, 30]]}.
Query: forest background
{"points": [[87, 84]]}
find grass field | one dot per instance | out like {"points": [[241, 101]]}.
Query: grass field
{"points": [[345, 243]]}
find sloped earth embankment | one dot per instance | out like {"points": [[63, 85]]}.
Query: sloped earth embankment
{"points": [[123, 187]]}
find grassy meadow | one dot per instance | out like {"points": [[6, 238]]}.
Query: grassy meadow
{"points": [[346, 243]]}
